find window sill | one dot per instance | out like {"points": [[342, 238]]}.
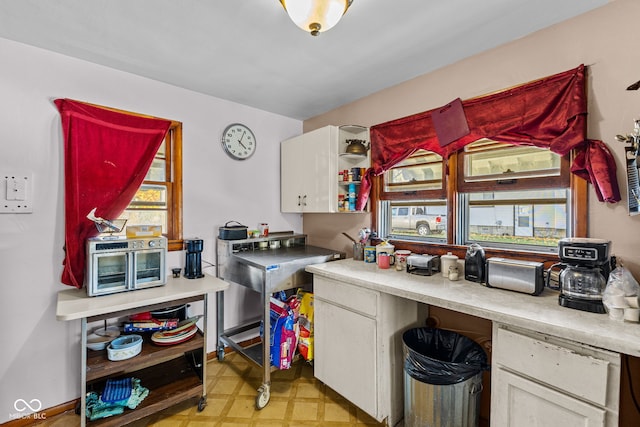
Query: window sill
{"points": [[460, 251]]}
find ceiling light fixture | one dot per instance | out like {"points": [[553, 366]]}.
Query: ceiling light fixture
{"points": [[316, 16]]}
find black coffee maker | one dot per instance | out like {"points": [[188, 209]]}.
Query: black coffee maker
{"points": [[584, 269], [193, 263]]}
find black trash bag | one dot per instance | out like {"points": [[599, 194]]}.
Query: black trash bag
{"points": [[440, 357]]}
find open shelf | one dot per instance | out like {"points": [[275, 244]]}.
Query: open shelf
{"points": [[355, 157], [99, 366], [169, 383]]}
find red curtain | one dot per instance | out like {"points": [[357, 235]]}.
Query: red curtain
{"points": [[106, 157], [548, 113]]}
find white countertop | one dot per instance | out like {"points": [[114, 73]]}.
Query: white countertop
{"points": [[538, 313], [75, 304]]}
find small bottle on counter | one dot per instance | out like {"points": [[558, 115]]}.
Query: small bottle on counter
{"points": [[453, 273]]}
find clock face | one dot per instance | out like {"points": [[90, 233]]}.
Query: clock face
{"points": [[238, 141]]}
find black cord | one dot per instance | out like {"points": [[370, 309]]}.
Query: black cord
{"points": [[633, 395]]}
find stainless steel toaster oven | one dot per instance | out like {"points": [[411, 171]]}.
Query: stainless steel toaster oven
{"points": [[118, 265]]}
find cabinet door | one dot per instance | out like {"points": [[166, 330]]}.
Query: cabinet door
{"points": [[308, 172], [346, 354], [291, 175], [518, 402]]}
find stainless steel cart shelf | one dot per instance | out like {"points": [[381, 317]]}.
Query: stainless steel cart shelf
{"points": [[254, 264]]}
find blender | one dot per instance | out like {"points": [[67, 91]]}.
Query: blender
{"points": [[584, 266]]}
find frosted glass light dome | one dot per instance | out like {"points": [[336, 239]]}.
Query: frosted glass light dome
{"points": [[316, 16]]}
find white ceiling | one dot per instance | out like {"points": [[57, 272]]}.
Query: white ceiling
{"points": [[248, 51]]}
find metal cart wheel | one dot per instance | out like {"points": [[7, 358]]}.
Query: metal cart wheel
{"points": [[220, 353], [264, 394], [202, 403]]}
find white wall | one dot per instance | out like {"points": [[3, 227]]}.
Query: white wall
{"points": [[40, 356]]}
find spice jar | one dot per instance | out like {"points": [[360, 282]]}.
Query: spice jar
{"points": [[453, 273]]}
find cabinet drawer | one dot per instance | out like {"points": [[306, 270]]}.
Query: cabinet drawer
{"points": [[582, 371], [354, 298], [518, 402]]}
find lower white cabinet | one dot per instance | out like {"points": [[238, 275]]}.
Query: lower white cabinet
{"points": [[538, 380], [358, 345]]}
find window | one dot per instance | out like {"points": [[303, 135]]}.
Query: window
{"points": [[499, 195], [422, 171], [159, 199], [533, 218], [415, 195]]}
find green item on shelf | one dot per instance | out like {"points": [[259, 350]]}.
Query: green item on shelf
{"points": [[97, 408]]}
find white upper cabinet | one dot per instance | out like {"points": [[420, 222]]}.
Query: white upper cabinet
{"points": [[310, 165]]}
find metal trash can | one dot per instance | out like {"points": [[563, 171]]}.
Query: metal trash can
{"points": [[442, 378]]}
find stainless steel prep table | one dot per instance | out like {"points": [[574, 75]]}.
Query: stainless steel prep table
{"points": [[266, 270]]}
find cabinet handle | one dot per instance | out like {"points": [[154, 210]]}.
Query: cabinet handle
{"points": [[298, 200], [304, 200]]}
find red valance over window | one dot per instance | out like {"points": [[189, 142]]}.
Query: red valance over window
{"points": [[106, 157], [548, 113]]}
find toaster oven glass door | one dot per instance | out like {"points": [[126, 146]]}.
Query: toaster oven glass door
{"points": [[148, 268], [110, 273]]}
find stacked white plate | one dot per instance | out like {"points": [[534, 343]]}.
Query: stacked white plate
{"points": [[100, 338], [185, 331]]}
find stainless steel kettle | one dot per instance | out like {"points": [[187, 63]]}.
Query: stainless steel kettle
{"points": [[356, 146]]}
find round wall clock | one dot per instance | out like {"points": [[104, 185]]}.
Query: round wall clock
{"points": [[238, 141]]}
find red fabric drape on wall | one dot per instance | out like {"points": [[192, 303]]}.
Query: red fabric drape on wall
{"points": [[106, 157], [548, 113]]}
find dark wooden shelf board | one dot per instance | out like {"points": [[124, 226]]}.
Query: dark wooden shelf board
{"points": [[169, 383], [99, 365]]}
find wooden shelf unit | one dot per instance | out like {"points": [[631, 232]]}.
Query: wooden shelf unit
{"points": [[172, 374]]}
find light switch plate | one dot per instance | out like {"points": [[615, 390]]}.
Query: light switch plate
{"points": [[16, 192]]}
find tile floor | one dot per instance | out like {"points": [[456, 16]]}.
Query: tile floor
{"points": [[297, 399]]}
